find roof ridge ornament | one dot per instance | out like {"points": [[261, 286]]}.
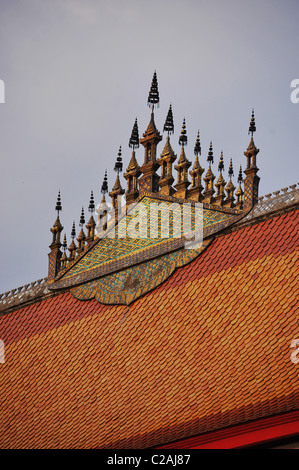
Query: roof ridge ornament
{"points": [[169, 126], [118, 164], [134, 139], [183, 139], [104, 188], [153, 96], [58, 206], [197, 146], [252, 127]]}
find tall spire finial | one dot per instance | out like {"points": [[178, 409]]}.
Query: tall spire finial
{"points": [[104, 188], [73, 232], [221, 164], [210, 157], [168, 126], [134, 139], [64, 244], [153, 96], [82, 218], [231, 170], [183, 137], [118, 164], [252, 127], [197, 147], [58, 206], [240, 177], [91, 207]]}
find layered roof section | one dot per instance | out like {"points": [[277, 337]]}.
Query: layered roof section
{"points": [[208, 348]]}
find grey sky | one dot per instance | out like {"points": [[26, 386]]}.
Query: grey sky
{"points": [[78, 72]]}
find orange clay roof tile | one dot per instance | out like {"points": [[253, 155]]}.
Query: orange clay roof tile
{"points": [[208, 348]]}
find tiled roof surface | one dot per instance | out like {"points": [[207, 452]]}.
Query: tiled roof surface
{"points": [[208, 348], [110, 247]]}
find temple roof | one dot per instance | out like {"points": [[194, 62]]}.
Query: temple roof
{"points": [[208, 348], [173, 317]]}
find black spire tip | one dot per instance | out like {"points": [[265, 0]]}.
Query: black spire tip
{"points": [[252, 127], [58, 206], [240, 177], [64, 244], [183, 137], [168, 126], [134, 139], [118, 164], [210, 157], [221, 164], [104, 188], [231, 170], [197, 147], [91, 206], [73, 232], [82, 218], [153, 96]]}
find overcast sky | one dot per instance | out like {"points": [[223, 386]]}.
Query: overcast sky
{"points": [[78, 72]]}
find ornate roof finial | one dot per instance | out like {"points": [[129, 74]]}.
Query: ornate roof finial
{"points": [[221, 164], [240, 177], [73, 232], [252, 127], [58, 206], [197, 147], [118, 164], [104, 188], [91, 207], [134, 139], [183, 137], [231, 170], [168, 126], [82, 218], [153, 96], [63, 260], [210, 157], [64, 244]]}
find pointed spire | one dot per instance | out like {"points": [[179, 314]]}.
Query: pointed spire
{"points": [[197, 147], [58, 206], [91, 223], [231, 170], [240, 192], [182, 166], [251, 182], [230, 188], [131, 175], [82, 218], [73, 232], [221, 164], [209, 179], [165, 161], [64, 256], [55, 254], [168, 126], [64, 244], [91, 207], [240, 176], [183, 137], [72, 248], [153, 96], [252, 127], [220, 185], [104, 188], [134, 139], [195, 192], [81, 238], [210, 157], [118, 164]]}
